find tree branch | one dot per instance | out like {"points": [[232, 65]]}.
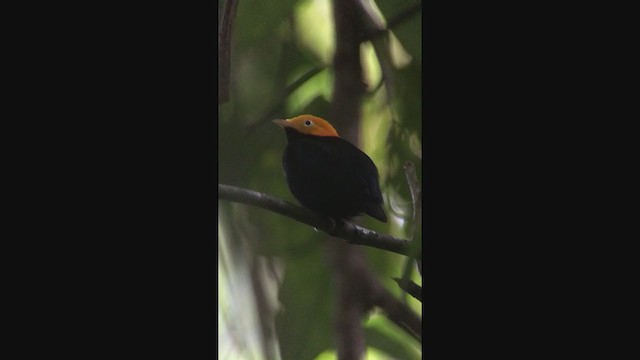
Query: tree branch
{"points": [[414, 188], [268, 115], [372, 34], [224, 50], [348, 88], [395, 310], [350, 232], [410, 288], [416, 199]]}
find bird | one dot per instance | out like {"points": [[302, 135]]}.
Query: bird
{"points": [[328, 174]]}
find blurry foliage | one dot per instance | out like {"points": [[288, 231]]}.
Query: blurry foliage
{"points": [[274, 43]]}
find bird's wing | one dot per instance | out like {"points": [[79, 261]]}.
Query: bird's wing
{"points": [[348, 159]]}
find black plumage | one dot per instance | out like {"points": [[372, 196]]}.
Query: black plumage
{"points": [[332, 176]]}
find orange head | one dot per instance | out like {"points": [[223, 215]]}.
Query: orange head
{"points": [[309, 125]]}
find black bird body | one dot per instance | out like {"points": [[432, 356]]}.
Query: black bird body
{"points": [[331, 176]]}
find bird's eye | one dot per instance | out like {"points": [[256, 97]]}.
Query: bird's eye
{"points": [[307, 122]]}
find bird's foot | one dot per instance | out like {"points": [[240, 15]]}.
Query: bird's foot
{"points": [[335, 225]]}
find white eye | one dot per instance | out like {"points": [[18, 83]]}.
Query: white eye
{"points": [[307, 123]]}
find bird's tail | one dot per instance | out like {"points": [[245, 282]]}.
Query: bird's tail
{"points": [[376, 211]]}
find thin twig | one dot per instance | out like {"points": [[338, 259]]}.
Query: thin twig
{"points": [[269, 114], [410, 288], [416, 245], [395, 310], [414, 188], [352, 233], [393, 22], [224, 50], [416, 198]]}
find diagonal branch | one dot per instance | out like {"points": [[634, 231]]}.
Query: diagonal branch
{"points": [[410, 288], [414, 188], [281, 101], [416, 244], [398, 19], [350, 232], [395, 310]]}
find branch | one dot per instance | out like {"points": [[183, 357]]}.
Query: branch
{"points": [[410, 288], [350, 232], [281, 102], [416, 199], [396, 311], [414, 188], [393, 22], [224, 50]]}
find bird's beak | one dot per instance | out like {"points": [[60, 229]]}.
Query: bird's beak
{"points": [[281, 122]]}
